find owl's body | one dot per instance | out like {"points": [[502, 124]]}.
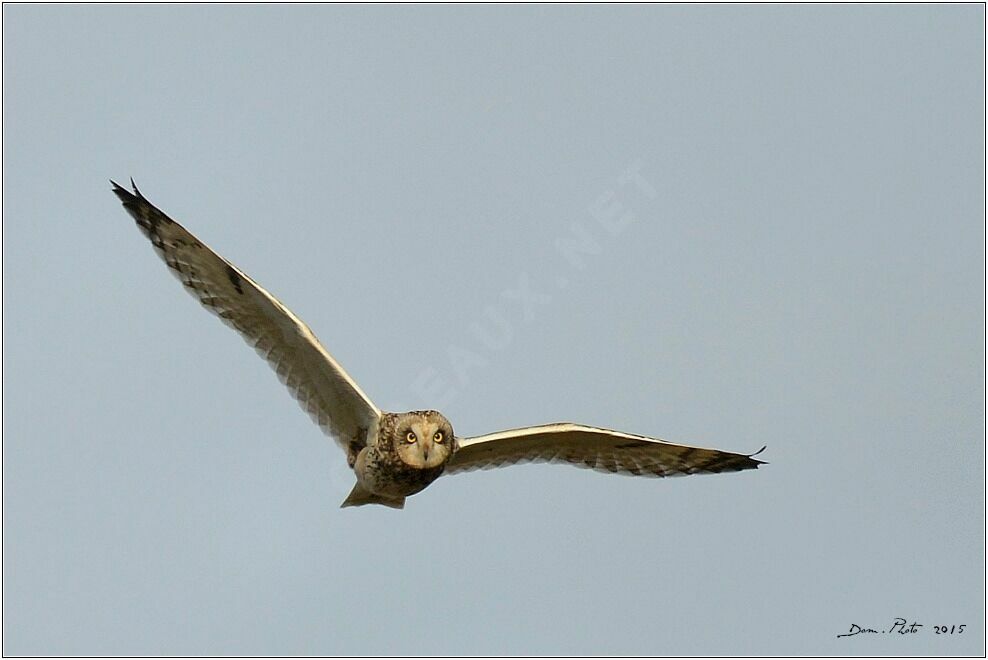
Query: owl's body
{"points": [[400, 458], [393, 455]]}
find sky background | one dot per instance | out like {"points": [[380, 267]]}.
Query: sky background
{"points": [[735, 226]]}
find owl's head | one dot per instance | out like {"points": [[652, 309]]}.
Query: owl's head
{"points": [[423, 439]]}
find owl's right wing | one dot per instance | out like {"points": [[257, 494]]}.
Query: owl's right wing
{"points": [[318, 382], [588, 447]]}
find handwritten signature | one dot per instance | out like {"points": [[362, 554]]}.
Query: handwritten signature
{"points": [[903, 627]]}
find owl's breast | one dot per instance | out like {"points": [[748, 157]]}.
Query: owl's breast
{"points": [[385, 474]]}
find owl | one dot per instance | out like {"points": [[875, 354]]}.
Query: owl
{"points": [[393, 455]]}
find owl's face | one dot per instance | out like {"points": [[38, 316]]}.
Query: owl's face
{"points": [[423, 439]]}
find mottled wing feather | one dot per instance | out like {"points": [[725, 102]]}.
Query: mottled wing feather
{"points": [[598, 449], [322, 387]]}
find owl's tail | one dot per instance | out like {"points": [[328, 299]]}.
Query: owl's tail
{"points": [[359, 496]]}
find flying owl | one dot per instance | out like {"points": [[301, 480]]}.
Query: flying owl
{"points": [[393, 455]]}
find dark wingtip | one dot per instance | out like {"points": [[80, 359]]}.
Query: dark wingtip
{"points": [[121, 192], [752, 456]]}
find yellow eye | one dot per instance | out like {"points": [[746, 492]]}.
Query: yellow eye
{"points": [[410, 437], [438, 437]]}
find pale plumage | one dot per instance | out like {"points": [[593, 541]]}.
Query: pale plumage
{"points": [[598, 449], [393, 455]]}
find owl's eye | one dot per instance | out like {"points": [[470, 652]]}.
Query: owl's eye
{"points": [[438, 437], [410, 437]]}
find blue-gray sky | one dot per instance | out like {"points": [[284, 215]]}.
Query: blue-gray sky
{"points": [[742, 226]]}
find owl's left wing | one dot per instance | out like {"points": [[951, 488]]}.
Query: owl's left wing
{"points": [[598, 449], [318, 382]]}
